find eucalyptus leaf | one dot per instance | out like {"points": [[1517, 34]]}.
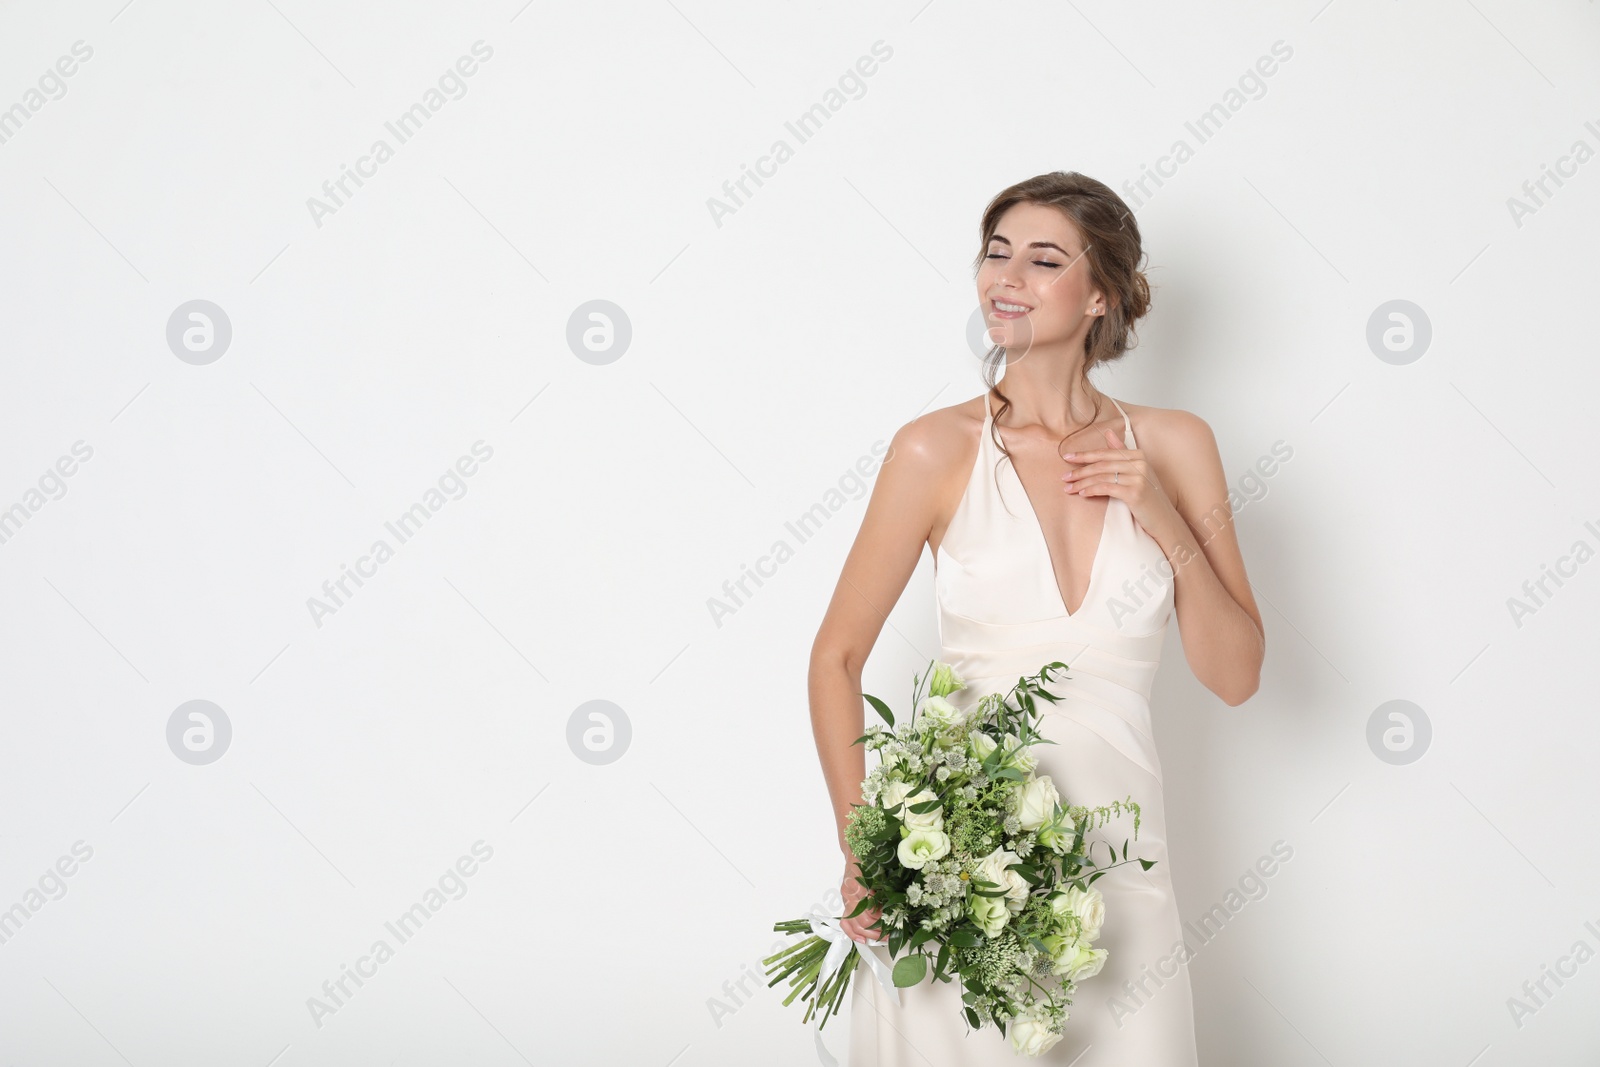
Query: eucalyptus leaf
{"points": [[910, 970]]}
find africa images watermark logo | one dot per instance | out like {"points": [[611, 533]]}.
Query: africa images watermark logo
{"points": [[451, 485], [851, 85], [1537, 592], [1251, 887], [1538, 192], [451, 885], [1536, 992], [51, 85], [451, 85], [51, 485], [51, 886], [853, 484]]}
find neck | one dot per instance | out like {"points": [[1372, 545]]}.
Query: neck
{"points": [[1055, 394]]}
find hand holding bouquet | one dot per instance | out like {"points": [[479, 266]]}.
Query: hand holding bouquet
{"points": [[980, 870]]}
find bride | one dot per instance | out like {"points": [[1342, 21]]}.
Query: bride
{"points": [[1031, 497]]}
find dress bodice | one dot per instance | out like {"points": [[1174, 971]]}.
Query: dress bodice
{"points": [[996, 586]]}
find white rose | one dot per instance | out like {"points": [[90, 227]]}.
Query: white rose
{"points": [[990, 913], [1038, 802], [928, 820], [894, 793], [982, 744], [1079, 962], [1056, 836], [923, 847], [940, 711], [993, 868], [1019, 755], [1030, 1035], [1088, 905]]}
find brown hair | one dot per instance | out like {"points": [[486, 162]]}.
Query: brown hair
{"points": [[1112, 250]]}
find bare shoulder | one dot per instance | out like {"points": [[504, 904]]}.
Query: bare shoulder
{"points": [[1182, 448], [934, 444], [928, 466], [1170, 430]]}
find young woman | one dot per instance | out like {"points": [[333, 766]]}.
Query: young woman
{"points": [[1056, 534]]}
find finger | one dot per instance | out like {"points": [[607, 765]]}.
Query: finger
{"points": [[1083, 470], [1118, 450], [1120, 470], [1073, 481], [1104, 487]]}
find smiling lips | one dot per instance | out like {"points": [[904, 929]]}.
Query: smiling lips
{"points": [[1005, 310]]}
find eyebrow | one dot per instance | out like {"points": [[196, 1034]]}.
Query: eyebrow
{"points": [[1038, 244]]}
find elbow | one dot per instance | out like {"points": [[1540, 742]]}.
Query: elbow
{"points": [[830, 656], [1234, 697], [1239, 690]]}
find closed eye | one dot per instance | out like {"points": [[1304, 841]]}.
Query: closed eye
{"points": [[1040, 262]]}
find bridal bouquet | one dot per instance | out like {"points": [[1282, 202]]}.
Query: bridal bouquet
{"points": [[979, 869]]}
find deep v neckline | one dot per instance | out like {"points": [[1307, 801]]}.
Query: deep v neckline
{"points": [[1038, 526]]}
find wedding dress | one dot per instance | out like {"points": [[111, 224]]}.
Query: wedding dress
{"points": [[1002, 615]]}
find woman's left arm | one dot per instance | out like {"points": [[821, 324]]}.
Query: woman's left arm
{"points": [[1192, 521]]}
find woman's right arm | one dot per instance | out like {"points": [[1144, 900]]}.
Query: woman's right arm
{"points": [[900, 515]]}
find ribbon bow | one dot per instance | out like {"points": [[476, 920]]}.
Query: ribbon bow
{"points": [[840, 943]]}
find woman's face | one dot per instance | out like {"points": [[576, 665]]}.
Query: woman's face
{"points": [[1035, 262]]}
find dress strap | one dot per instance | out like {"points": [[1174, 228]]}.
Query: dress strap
{"points": [[988, 405], [1127, 426]]}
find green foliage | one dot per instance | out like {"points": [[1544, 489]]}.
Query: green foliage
{"points": [[867, 827], [910, 970], [931, 914]]}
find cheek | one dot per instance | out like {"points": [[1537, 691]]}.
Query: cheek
{"points": [[1066, 292], [1053, 315]]}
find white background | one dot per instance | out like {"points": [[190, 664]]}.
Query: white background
{"points": [[769, 351]]}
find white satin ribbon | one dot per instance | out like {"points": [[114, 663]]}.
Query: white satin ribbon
{"points": [[840, 943]]}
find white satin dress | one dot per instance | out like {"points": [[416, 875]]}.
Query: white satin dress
{"points": [[1001, 616]]}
